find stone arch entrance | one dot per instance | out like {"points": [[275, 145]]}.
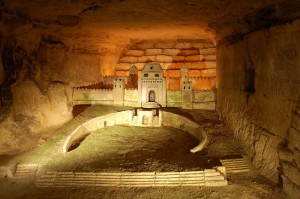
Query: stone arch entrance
{"points": [[151, 96]]}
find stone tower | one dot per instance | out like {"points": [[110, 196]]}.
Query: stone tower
{"points": [[132, 81], [152, 85], [184, 76], [118, 91], [186, 89]]}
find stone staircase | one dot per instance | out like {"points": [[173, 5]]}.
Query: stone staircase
{"points": [[235, 165], [208, 177], [25, 172]]}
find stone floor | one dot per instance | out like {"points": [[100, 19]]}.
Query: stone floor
{"points": [[122, 148]]}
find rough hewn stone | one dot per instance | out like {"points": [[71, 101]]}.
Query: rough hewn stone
{"points": [[208, 51], [178, 58], [171, 51], [139, 65], [296, 122], [198, 45], [210, 57], [194, 73], [174, 73], [205, 106], [291, 172], [210, 64], [146, 59], [293, 137], [194, 58], [285, 154], [270, 104], [297, 158], [292, 190], [183, 45], [187, 64], [188, 52], [164, 58], [204, 96], [57, 96], [123, 66], [165, 45], [166, 66], [128, 59], [135, 53], [298, 110], [145, 45], [209, 45], [198, 65], [151, 52]]}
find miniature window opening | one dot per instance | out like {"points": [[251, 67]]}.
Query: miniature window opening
{"points": [[146, 75], [151, 96], [156, 75]]}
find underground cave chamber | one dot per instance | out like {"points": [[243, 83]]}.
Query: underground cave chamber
{"points": [[223, 66]]}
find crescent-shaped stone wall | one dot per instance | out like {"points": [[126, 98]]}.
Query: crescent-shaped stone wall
{"points": [[125, 117]]}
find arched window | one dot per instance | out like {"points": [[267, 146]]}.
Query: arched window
{"points": [[151, 96]]}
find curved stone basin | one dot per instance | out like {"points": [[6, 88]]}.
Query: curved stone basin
{"points": [[126, 118]]}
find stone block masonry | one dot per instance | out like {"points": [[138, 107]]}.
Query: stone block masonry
{"points": [[135, 53], [204, 99], [153, 52], [172, 54]]}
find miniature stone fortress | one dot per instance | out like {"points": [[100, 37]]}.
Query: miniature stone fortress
{"points": [[150, 92], [155, 74]]}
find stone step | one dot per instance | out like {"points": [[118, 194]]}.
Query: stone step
{"points": [[235, 165], [25, 172], [216, 183], [208, 177]]}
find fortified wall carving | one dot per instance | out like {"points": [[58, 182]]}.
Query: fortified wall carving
{"points": [[148, 90]]}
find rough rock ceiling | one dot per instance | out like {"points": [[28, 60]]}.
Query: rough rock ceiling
{"points": [[93, 23]]}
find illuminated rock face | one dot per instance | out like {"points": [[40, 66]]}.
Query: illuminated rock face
{"points": [[258, 96]]}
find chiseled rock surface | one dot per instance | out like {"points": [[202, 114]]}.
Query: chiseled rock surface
{"points": [[260, 107], [34, 110]]}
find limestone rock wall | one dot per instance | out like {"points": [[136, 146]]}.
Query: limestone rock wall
{"points": [[37, 71], [33, 111], [289, 156], [258, 91]]}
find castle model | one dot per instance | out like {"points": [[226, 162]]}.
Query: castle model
{"points": [[148, 90]]}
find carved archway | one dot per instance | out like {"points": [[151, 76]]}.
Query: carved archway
{"points": [[151, 96]]}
